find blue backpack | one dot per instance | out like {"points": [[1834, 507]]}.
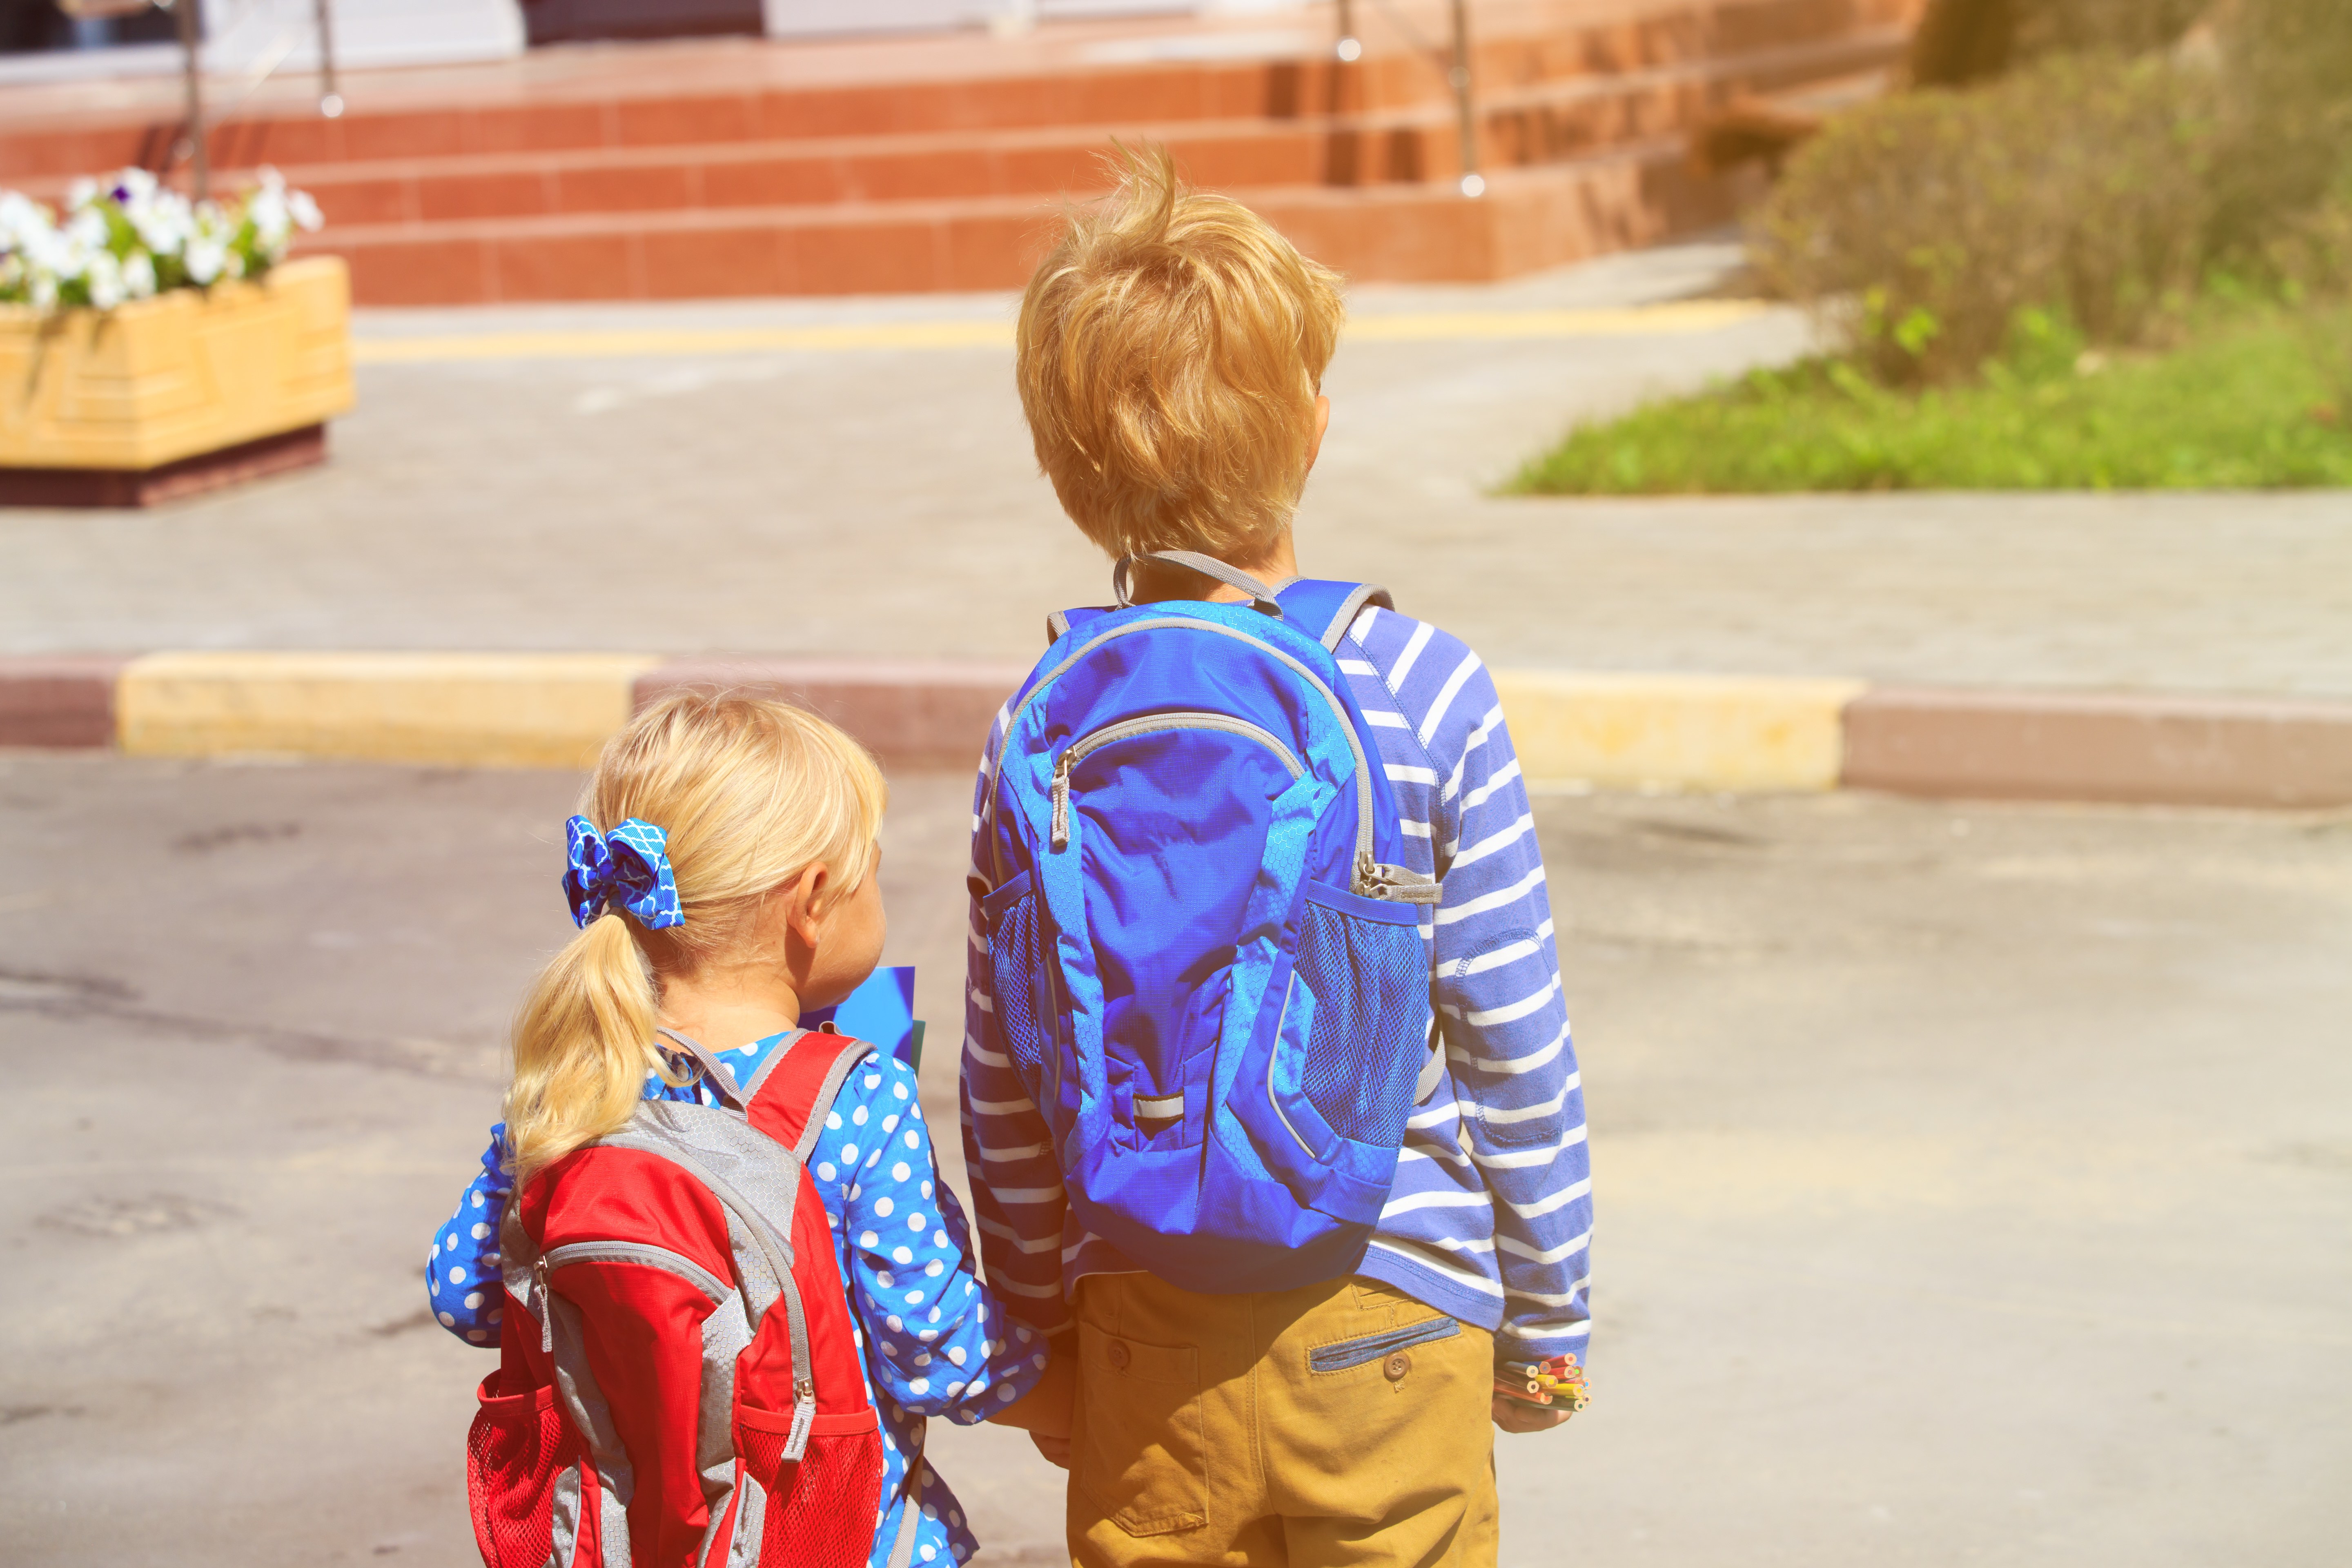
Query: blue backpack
{"points": [[1207, 959]]}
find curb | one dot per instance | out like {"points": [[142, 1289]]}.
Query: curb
{"points": [[1572, 729]]}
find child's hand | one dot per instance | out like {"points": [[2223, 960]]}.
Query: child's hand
{"points": [[1045, 1411], [1518, 1415]]}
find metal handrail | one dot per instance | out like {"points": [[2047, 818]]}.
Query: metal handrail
{"points": [[199, 133], [1350, 48]]}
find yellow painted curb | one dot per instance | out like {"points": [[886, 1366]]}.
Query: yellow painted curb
{"points": [[462, 710], [1676, 732]]}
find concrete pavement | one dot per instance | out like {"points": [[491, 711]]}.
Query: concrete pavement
{"points": [[1971, 1182], [877, 502]]}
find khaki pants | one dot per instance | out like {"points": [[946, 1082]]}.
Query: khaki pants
{"points": [[1332, 1426]]}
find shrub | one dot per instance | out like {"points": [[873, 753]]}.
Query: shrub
{"points": [[2287, 76], [1961, 41], [1923, 224]]}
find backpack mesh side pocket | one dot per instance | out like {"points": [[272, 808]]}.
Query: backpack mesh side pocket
{"points": [[1364, 1046], [820, 1511], [517, 1448], [1016, 978]]}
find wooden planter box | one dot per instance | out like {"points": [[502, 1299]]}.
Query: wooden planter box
{"points": [[162, 397]]}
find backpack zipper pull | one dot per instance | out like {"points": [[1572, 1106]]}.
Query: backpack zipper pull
{"points": [[1062, 803], [803, 1418], [546, 1305]]}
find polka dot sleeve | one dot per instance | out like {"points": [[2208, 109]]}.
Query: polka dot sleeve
{"points": [[461, 1272], [941, 1345]]}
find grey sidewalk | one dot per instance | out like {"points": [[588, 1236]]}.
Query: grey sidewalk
{"points": [[872, 502]]}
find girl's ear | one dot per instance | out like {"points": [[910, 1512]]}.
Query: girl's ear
{"points": [[810, 905]]}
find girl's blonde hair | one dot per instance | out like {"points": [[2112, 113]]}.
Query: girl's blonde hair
{"points": [[751, 794], [1170, 352]]}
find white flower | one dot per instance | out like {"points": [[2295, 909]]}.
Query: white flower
{"points": [[103, 276], [204, 259], [87, 227], [42, 252]]}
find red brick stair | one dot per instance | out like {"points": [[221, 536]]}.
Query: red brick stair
{"points": [[743, 168]]}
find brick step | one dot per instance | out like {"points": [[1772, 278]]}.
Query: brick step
{"points": [[1529, 218], [797, 173], [602, 104], [1524, 125]]}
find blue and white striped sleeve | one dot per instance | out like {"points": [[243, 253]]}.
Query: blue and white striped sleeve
{"points": [[1016, 1183], [1504, 1020]]}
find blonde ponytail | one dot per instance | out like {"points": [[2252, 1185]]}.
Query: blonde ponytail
{"points": [[582, 1044], [750, 795]]}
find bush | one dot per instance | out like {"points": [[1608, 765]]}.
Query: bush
{"points": [[1961, 41], [1923, 224], [2286, 80]]}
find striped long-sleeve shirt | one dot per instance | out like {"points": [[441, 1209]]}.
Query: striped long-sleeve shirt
{"points": [[1491, 1213]]}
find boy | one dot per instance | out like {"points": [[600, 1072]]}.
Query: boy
{"points": [[1171, 354]]}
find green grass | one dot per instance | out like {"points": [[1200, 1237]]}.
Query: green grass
{"points": [[2258, 400]]}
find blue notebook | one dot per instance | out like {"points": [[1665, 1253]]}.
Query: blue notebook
{"points": [[880, 1012]]}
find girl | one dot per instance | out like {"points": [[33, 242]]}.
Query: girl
{"points": [[732, 884]]}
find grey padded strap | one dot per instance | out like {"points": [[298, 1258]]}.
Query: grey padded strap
{"points": [[1352, 607], [1261, 596], [712, 1068], [821, 1106], [902, 1551], [1057, 626]]}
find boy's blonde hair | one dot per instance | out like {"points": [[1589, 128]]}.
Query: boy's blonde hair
{"points": [[1171, 351], [750, 795]]}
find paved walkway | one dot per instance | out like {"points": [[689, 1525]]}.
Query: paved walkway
{"points": [[1972, 1183], [681, 491]]}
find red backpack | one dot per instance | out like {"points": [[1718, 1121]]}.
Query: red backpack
{"points": [[694, 1237]]}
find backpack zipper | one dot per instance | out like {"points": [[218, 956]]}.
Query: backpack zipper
{"points": [[1186, 623], [1095, 741], [641, 1252]]}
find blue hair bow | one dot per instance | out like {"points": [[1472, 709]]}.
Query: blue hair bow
{"points": [[627, 869]]}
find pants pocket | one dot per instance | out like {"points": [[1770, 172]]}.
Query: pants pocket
{"points": [[1137, 1447], [1339, 1356]]}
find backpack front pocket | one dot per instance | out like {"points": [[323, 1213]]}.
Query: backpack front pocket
{"points": [[522, 1479]]}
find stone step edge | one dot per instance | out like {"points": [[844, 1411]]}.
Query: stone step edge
{"points": [[1573, 730]]}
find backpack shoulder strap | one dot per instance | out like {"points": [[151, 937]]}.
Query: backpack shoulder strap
{"points": [[1060, 623], [791, 1095], [1324, 610]]}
